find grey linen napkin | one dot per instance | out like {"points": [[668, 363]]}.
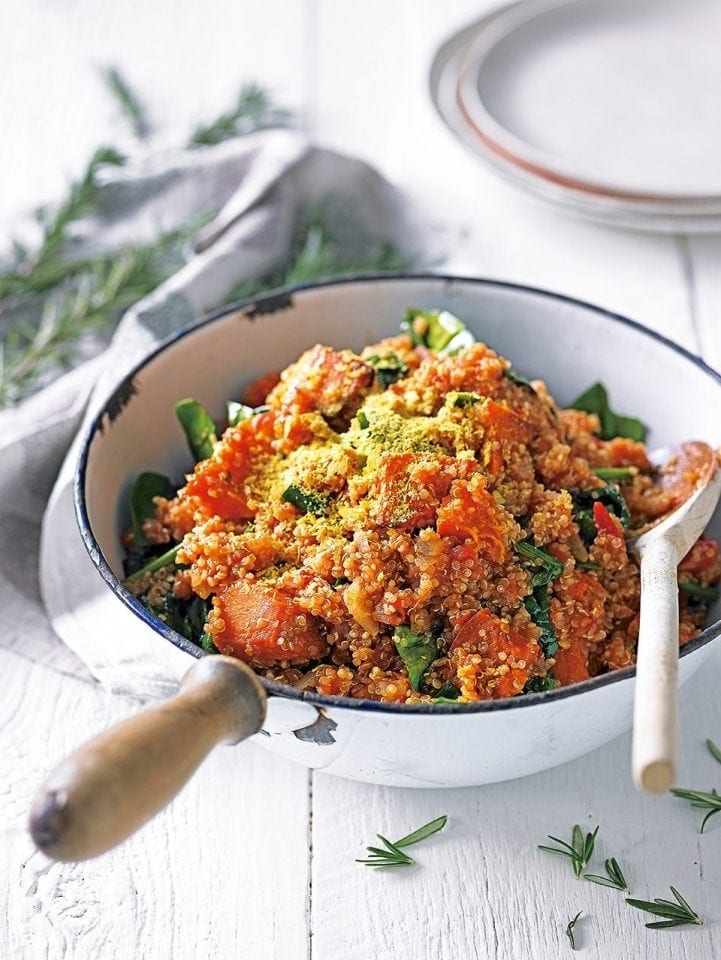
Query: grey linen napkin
{"points": [[257, 187]]}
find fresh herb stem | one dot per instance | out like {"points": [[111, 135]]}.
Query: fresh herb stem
{"points": [[700, 800], [253, 110], [614, 876], [579, 851], [129, 104], [713, 750], [695, 589], [619, 474], [570, 930], [676, 914], [157, 563], [392, 854]]}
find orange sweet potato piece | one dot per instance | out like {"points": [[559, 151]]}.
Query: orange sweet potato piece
{"points": [[407, 488], [469, 512], [331, 382], [223, 482], [258, 390], [263, 625], [571, 665], [508, 655]]}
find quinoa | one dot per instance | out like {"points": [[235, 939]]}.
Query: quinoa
{"points": [[355, 506]]}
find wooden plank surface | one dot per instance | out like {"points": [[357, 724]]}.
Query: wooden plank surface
{"points": [[233, 869]]}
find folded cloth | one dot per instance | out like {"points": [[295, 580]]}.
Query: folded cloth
{"points": [[257, 187]]}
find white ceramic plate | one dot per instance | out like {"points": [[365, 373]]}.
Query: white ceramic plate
{"points": [[618, 96], [503, 88]]}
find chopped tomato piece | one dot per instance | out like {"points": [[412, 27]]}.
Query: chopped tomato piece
{"points": [[508, 656], [571, 665], [259, 389], [605, 521], [262, 625], [702, 556], [469, 512], [224, 482]]}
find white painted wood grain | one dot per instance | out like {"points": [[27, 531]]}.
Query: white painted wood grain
{"points": [[481, 889], [223, 872]]}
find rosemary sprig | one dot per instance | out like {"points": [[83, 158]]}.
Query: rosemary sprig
{"points": [[97, 296], [253, 110], [129, 104], [570, 930], [702, 801], [713, 750], [676, 914], [614, 877], [391, 854], [316, 255], [35, 273], [579, 851]]}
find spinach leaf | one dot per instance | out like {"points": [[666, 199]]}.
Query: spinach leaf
{"points": [[463, 400], [595, 400], [305, 500], [695, 589], [157, 563], [448, 693], [515, 377], [362, 419], [443, 332], [417, 651], [548, 567], [583, 501], [206, 642], [541, 684], [388, 368], [198, 426], [186, 616], [538, 608], [238, 412], [147, 486]]}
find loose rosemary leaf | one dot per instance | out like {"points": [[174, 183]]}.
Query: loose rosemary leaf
{"points": [[129, 104], [700, 800], [253, 110], [713, 750], [676, 914]]}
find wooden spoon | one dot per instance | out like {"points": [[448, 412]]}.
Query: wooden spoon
{"points": [[692, 480], [109, 787]]}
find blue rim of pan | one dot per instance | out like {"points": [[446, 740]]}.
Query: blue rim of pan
{"points": [[281, 299]]}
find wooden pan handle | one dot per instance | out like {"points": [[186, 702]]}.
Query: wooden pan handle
{"points": [[109, 787]]}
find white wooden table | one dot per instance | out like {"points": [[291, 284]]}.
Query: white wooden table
{"points": [[256, 858]]}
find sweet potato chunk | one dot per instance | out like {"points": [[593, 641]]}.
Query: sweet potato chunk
{"points": [[333, 383], [469, 512], [262, 625], [407, 488], [492, 659], [224, 483]]}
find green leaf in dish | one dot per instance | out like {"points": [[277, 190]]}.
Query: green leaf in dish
{"points": [[595, 400], [198, 427], [147, 486], [305, 500], [417, 651], [438, 330]]}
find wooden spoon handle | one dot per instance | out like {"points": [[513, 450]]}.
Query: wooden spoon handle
{"points": [[109, 787], [655, 721]]}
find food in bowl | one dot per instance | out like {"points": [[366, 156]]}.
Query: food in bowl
{"points": [[417, 523]]}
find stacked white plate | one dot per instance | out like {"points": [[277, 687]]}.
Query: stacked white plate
{"points": [[608, 108]]}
